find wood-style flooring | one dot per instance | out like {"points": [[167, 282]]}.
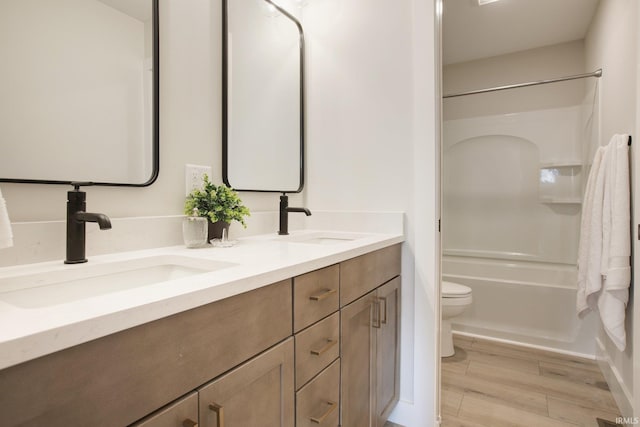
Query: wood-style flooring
{"points": [[489, 384]]}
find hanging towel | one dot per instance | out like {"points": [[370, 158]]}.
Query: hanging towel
{"points": [[6, 236], [590, 248], [615, 265]]}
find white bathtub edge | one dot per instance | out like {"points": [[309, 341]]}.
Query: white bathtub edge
{"points": [[456, 277], [521, 344]]}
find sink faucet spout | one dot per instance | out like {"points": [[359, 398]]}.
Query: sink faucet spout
{"points": [[306, 211], [103, 221]]}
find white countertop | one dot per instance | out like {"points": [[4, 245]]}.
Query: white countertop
{"points": [[27, 333]]}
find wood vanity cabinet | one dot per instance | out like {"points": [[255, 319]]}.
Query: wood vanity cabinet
{"points": [[320, 349], [121, 378], [370, 339]]}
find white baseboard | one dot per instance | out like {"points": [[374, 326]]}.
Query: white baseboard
{"points": [[619, 389], [405, 414]]}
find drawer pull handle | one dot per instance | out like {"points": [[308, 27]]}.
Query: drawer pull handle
{"points": [[189, 423], [384, 319], [329, 345], [376, 314], [218, 409], [332, 407], [325, 294]]}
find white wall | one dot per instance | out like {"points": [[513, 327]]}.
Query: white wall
{"points": [[370, 140], [371, 148], [611, 44], [530, 65], [426, 25]]}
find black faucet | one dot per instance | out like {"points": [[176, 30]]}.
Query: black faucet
{"points": [[284, 214], [76, 221]]}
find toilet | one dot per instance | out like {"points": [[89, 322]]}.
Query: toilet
{"points": [[455, 299]]}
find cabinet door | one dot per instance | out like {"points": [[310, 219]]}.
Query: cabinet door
{"points": [[358, 361], [388, 350], [256, 394], [182, 413]]}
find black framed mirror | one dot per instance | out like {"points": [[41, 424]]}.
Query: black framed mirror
{"points": [[79, 92], [262, 97]]}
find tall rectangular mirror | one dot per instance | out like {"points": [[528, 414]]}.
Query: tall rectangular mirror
{"points": [[263, 97], [79, 91]]}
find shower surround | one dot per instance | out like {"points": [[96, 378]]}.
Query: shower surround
{"points": [[512, 190]]}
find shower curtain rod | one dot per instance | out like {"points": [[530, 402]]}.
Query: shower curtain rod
{"points": [[597, 73]]}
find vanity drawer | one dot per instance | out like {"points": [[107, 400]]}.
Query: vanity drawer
{"points": [[363, 274], [315, 296], [317, 403], [316, 347]]}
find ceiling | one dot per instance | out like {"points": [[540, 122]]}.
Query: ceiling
{"points": [[473, 32]]}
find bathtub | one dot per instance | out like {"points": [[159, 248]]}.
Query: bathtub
{"points": [[524, 302]]}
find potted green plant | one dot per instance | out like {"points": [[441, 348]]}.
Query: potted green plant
{"points": [[219, 204]]}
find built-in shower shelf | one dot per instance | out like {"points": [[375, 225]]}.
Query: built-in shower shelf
{"points": [[554, 165], [561, 200], [560, 182]]}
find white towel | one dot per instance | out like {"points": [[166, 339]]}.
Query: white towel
{"points": [[616, 254], [6, 236], [590, 248]]}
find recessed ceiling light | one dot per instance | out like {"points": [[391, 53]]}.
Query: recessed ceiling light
{"points": [[483, 2]]}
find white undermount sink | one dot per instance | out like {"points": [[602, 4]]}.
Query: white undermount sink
{"points": [[74, 283], [321, 237]]}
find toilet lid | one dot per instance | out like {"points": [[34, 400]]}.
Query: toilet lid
{"points": [[453, 290]]}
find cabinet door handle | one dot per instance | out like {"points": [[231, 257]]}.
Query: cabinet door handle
{"points": [[376, 314], [325, 294], [218, 409], [332, 407], [189, 423], [383, 299], [329, 344]]}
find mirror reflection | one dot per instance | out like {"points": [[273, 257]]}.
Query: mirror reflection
{"points": [[77, 91], [263, 98]]}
